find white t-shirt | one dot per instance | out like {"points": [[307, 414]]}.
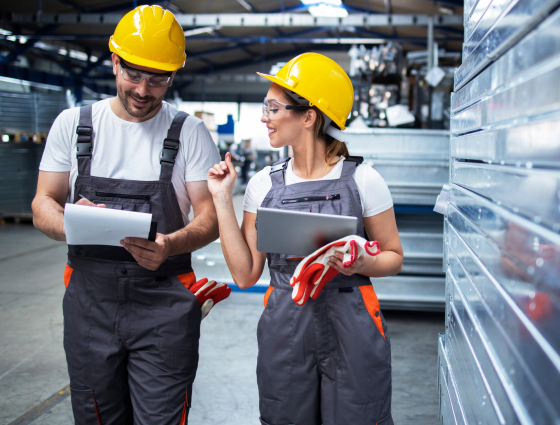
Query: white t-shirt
{"points": [[374, 193], [130, 151]]}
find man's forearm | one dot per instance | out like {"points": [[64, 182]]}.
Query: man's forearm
{"points": [[48, 217], [202, 230]]}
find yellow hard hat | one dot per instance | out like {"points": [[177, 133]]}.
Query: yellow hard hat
{"points": [[150, 36], [321, 81]]}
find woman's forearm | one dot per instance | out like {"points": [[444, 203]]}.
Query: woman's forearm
{"points": [[236, 251], [386, 263]]}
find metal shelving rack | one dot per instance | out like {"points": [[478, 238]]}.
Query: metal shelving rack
{"points": [[499, 358], [415, 165]]}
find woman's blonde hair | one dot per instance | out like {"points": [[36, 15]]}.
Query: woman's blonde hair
{"points": [[334, 146]]}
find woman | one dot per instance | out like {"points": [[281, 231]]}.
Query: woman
{"points": [[327, 361]]}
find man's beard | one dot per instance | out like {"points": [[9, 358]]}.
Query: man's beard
{"points": [[124, 97]]}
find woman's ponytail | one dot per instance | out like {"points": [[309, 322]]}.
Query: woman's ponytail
{"points": [[334, 146]]}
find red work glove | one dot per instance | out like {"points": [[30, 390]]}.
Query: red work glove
{"points": [[209, 293], [313, 273]]}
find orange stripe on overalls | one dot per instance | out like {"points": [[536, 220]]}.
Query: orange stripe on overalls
{"points": [[67, 275]]}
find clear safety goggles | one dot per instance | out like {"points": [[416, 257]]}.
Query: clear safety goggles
{"points": [[273, 109], [136, 76]]}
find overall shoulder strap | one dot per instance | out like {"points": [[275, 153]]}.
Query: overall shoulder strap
{"points": [[84, 146], [278, 172], [171, 146], [350, 165]]}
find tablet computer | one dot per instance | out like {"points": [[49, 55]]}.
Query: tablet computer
{"points": [[298, 232]]}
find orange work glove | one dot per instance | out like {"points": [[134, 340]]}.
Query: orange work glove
{"points": [[209, 293], [313, 273]]}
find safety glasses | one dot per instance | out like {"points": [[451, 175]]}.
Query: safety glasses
{"points": [[136, 76], [272, 109]]}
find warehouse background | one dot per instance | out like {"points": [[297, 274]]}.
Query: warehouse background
{"points": [[446, 93]]}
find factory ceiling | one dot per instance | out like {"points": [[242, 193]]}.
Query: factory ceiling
{"points": [[222, 36]]}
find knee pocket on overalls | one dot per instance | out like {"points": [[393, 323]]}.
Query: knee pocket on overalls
{"points": [[177, 326], [274, 334], [364, 372], [77, 310], [84, 407]]}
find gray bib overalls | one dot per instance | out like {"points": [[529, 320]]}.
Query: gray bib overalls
{"points": [[130, 334], [329, 361]]}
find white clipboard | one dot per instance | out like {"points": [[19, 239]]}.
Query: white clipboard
{"points": [[86, 225]]}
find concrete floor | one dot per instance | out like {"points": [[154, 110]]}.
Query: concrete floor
{"points": [[33, 366]]}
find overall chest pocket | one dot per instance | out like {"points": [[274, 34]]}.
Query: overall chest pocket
{"points": [[124, 201], [322, 204]]}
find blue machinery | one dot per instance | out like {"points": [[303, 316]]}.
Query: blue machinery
{"points": [[499, 359]]}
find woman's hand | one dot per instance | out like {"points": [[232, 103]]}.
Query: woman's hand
{"points": [[221, 178], [335, 262], [381, 227]]}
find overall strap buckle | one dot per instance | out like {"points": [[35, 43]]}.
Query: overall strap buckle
{"points": [[356, 159], [169, 151], [84, 130], [84, 145], [170, 147], [278, 179], [280, 166]]}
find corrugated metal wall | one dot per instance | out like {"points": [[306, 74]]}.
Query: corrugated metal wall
{"points": [[499, 359]]}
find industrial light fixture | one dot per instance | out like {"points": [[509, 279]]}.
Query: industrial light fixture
{"points": [[446, 10], [202, 30], [326, 8], [245, 5], [317, 2], [328, 11]]}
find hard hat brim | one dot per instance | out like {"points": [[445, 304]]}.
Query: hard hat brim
{"points": [[135, 60], [287, 86]]}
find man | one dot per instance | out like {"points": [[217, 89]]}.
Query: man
{"points": [[131, 326], [248, 156]]}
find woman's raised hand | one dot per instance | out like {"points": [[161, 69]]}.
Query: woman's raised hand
{"points": [[221, 178]]}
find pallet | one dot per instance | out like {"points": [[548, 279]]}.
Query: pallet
{"points": [[24, 138], [27, 219]]}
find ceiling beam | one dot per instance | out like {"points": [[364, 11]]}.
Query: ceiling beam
{"points": [[246, 19], [288, 38], [257, 40]]}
